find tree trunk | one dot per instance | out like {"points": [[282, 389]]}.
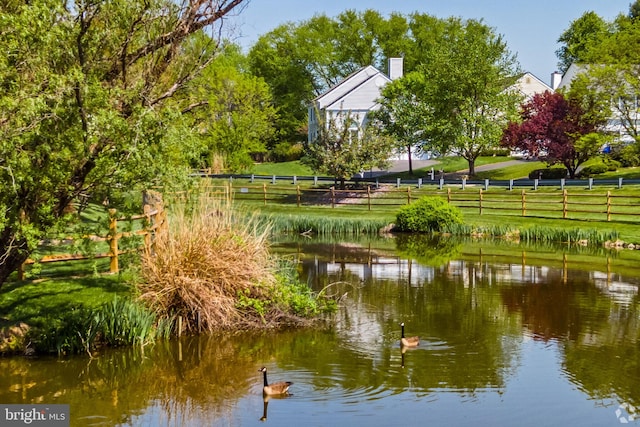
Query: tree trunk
{"points": [[14, 254], [472, 166], [410, 164]]}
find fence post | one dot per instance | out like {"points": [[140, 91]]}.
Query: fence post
{"points": [[535, 184], [333, 197], [295, 180], [565, 200], [510, 184], [298, 194], [619, 183], [419, 183], [433, 175], [464, 183], [562, 181], [113, 241], [524, 203], [398, 182], [448, 195], [253, 177], [369, 196], [608, 205], [147, 236], [590, 183], [486, 184], [264, 193], [315, 181], [377, 183], [480, 201], [273, 179], [441, 183]]}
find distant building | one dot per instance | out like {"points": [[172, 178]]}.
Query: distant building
{"points": [[356, 95], [622, 110], [528, 85]]}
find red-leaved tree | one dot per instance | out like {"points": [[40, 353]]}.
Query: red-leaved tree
{"points": [[555, 130]]}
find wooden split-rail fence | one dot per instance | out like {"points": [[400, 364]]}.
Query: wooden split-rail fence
{"points": [[154, 219]]}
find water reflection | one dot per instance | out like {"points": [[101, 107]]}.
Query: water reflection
{"points": [[504, 330]]}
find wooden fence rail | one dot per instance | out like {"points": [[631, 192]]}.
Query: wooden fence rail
{"points": [[154, 220], [594, 205]]}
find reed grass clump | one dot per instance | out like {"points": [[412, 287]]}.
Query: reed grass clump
{"points": [[325, 225], [212, 270], [83, 330]]}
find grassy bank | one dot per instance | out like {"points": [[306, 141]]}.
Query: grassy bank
{"points": [[211, 270]]}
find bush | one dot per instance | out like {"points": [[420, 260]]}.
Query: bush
{"points": [[548, 173], [592, 170], [428, 214], [498, 152], [287, 152]]}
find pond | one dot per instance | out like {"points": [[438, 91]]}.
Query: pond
{"points": [[509, 335]]}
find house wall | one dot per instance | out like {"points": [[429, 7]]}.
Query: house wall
{"points": [[355, 95]]}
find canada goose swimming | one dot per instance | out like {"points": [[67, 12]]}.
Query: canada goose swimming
{"points": [[281, 387], [408, 341]]}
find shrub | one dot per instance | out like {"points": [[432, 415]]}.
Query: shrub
{"points": [[592, 170], [548, 173], [287, 151], [428, 214]]}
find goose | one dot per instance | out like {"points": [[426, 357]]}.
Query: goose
{"points": [[281, 387], [408, 341]]}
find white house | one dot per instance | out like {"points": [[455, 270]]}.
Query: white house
{"points": [[615, 125], [356, 95], [528, 85]]}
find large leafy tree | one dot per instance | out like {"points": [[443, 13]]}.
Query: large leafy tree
{"points": [[583, 34], [460, 93], [555, 129], [612, 74], [238, 114], [90, 103], [299, 61], [401, 114]]}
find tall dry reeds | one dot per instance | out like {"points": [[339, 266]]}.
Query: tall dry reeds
{"points": [[209, 257]]}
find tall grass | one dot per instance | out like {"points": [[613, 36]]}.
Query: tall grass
{"points": [[325, 225], [213, 270], [535, 233], [83, 330]]}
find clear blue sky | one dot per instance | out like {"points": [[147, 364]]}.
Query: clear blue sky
{"points": [[531, 28]]}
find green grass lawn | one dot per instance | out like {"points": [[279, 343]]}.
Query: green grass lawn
{"points": [[40, 302], [282, 169]]}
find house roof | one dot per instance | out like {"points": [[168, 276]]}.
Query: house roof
{"points": [[571, 73], [529, 85], [368, 79]]}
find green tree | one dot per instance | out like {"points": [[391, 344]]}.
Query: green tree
{"points": [[343, 149], [583, 34], [90, 104], [460, 91], [239, 112], [401, 114], [299, 61]]}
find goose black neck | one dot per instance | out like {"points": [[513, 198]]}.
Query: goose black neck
{"points": [[402, 326], [265, 378]]}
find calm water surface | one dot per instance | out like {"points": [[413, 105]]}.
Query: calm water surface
{"points": [[510, 336]]}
